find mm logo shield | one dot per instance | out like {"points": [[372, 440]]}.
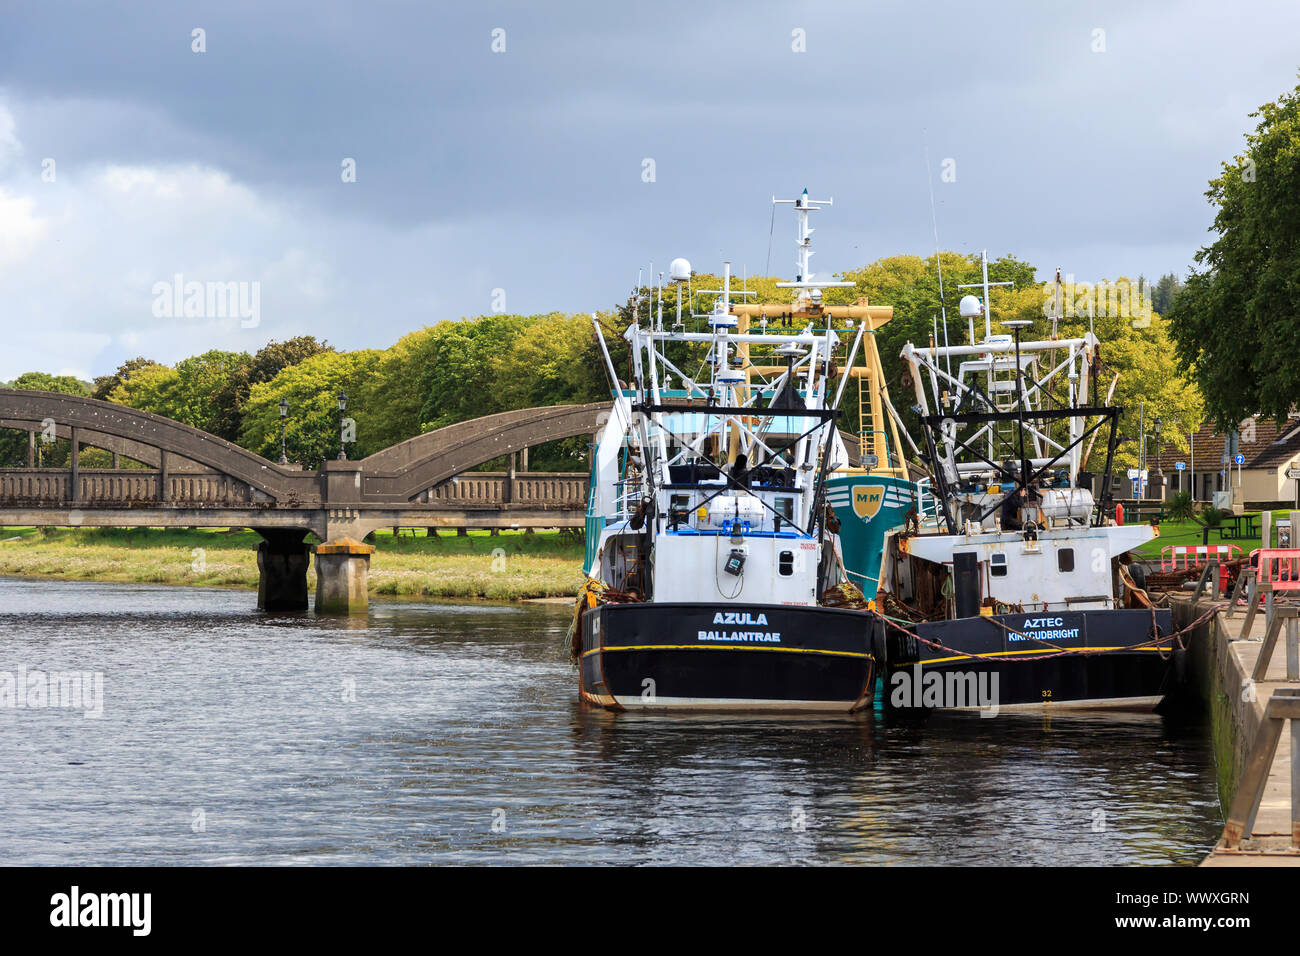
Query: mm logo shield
{"points": [[866, 500]]}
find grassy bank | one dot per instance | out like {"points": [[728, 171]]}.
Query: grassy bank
{"points": [[545, 564], [1189, 532]]}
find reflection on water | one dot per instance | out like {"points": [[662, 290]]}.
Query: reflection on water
{"points": [[435, 733]]}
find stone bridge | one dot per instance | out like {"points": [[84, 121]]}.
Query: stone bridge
{"points": [[195, 479]]}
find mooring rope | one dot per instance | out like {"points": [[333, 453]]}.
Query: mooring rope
{"points": [[1057, 652]]}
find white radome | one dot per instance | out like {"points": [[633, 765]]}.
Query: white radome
{"points": [[679, 270], [970, 307]]}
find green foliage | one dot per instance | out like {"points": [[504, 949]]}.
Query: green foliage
{"points": [[400, 386], [192, 392], [1233, 323], [241, 375], [1180, 507], [312, 428], [458, 382], [13, 443], [41, 382], [104, 385], [206, 391], [496, 363], [1212, 517], [1164, 293], [1149, 379]]}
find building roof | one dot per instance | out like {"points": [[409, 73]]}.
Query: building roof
{"points": [[1262, 442]]}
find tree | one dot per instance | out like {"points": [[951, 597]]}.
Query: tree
{"points": [[459, 381], [104, 384], [1149, 379], [13, 443], [1233, 324], [196, 392], [147, 388], [399, 384], [274, 357], [1164, 293], [242, 375], [555, 362], [312, 428], [207, 391]]}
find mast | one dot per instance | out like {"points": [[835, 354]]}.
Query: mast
{"points": [[809, 290]]}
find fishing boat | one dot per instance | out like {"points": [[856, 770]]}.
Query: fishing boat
{"points": [[1014, 593], [715, 577], [871, 492]]}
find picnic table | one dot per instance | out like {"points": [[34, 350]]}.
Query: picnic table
{"points": [[1243, 526]]}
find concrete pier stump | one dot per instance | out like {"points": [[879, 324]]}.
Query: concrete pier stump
{"points": [[282, 559], [342, 576]]}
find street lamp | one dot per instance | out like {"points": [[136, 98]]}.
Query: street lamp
{"points": [[284, 414], [1160, 471], [343, 404]]}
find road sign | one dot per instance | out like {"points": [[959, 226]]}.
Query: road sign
{"points": [[1293, 472], [1180, 465], [1238, 459]]}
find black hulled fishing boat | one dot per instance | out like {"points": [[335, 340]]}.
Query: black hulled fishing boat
{"points": [[1014, 593], [714, 573]]}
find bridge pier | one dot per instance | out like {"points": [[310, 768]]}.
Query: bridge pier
{"points": [[282, 558], [342, 576]]}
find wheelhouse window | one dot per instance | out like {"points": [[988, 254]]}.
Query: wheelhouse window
{"points": [[785, 563], [1065, 559]]}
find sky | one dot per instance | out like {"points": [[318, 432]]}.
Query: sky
{"points": [[531, 157]]}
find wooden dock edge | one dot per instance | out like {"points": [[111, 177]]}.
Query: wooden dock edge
{"points": [[1220, 667]]}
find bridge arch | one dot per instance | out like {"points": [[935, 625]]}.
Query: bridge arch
{"points": [[133, 432], [407, 469], [146, 455]]}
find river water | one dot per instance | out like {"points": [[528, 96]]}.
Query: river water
{"points": [[452, 734]]}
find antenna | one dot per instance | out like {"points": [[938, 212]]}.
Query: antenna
{"points": [[934, 220], [984, 305], [1058, 305], [661, 302], [803, 279], [636, 299], [723, 305]]}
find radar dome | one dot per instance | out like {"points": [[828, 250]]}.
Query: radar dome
{"points": [[970, 307], [679, 270]]}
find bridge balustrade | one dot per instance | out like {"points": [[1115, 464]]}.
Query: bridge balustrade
{"points": [[119, 488], [489, 488]]}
